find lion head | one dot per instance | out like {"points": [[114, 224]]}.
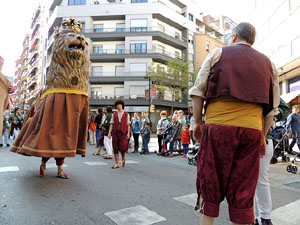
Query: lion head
{"points": [[70, 61]]}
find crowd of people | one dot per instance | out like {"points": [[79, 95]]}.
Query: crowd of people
{"points": [[12, 125], [174, 134]]}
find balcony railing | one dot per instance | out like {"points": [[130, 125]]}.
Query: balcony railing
{"points": [[117, 74], [101, 51], [136, 29]]}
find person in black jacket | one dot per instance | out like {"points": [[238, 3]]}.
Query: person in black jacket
{"points": [[98, 121], [107, 141]]}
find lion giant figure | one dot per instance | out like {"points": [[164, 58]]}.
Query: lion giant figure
{"points": [[57, 123]]}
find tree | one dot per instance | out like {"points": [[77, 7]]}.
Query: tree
{"points": [[177, 78]]}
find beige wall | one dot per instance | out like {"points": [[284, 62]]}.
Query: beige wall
{"points": [[201, 51]]}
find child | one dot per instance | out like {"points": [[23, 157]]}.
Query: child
{"points": [[146, 138], [5, 133], [185, 139]]}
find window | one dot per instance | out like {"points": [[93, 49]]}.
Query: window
{"points": [[119, 92], [207, 46], [177, 55], [138, 48], [138, 69], [138, 1], [98, 27], [77, 2], [119, 70], [120, 27], [138, 25], [98, 49], [177, 35], [97, 71], [191, 17], [96, 92], [137, 91], [120, 49], [83, 26]]}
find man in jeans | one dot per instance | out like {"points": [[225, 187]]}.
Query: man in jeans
{"points": [[293, 120], [98, 121], [175, 127]]}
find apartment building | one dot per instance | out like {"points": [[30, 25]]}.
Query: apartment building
{"points": [[17, 83], [24, 71], [125, 37], [212, 33], [279, 38], [36, 59]]}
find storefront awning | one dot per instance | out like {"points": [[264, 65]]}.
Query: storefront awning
{"points": [[290, 96]]}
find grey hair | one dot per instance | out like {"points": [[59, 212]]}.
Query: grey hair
{"points": [[245, 31]]}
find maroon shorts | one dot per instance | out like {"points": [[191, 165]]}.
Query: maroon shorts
{"points": [[228, 166], [120, 142]]}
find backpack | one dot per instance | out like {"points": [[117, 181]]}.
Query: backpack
{"points": [[93, 126], [284, 111]]}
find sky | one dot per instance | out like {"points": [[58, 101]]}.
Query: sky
{"points": [[15, 17]]}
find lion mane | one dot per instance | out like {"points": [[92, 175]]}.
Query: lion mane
{"points": [[70, 62]]}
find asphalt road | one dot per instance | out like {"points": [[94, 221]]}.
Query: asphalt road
{"points": [[150, 189]]}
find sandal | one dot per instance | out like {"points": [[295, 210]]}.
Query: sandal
{"points": [[42, 170], [104, 155], [107, 157], [96, 153], [115, 166], [62, 175], [123, 162]]}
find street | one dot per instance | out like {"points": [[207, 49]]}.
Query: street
{"points": [[150, 190]]}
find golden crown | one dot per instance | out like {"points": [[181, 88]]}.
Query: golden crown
{"points": [[71, 24]]}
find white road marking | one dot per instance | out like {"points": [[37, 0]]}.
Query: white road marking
{"points": [[130, 162], [9, 169], [138, 215], [287, 215], [53, 165], [96, 163], [188, 199]]}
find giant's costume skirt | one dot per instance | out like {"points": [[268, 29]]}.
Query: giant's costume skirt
{"points": [[58, 127]]}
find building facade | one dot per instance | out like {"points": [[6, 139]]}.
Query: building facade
{"points": [[125, 41], [278, 37]]}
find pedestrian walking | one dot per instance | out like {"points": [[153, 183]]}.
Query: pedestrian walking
{"points": [[135, 128], [92, 129], [98, 121], [239, 85], [161, 130], [4, 137], [119, 132], [105, 127], [186, 140], [293, 121], [262, 198], [16, 122], [145, 120], [100, 142], [146, 139], [191, 123]]}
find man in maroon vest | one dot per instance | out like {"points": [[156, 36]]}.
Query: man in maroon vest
{"points": [[119, 132], [240, 86]]}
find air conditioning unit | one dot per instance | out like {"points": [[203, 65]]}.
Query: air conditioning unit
{"points": [[133, 96]]}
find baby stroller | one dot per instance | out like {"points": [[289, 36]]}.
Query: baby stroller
{"points": [[192, 155], [293, 168], [281, 144]]}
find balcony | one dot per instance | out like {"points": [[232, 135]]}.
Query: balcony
{"points": [[119, 34], [134, 101], [32, 82], [35, 16], [111, 78], [119, 55]]}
